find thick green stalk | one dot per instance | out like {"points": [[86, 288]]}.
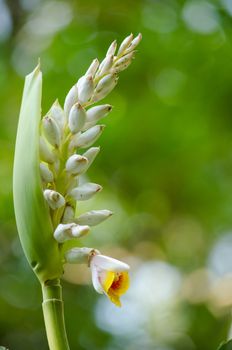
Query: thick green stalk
{"points": [[53, 311]]}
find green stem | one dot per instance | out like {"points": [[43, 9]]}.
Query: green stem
{"points": [[54, 315]]}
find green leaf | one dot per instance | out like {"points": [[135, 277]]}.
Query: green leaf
{"points": [[31, 211], [226, 346]]}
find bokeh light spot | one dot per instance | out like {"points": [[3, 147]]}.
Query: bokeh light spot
{"points": [[5, 21], [220, 258], [201, 17], [168, 83], [227, 4], [160, 16], [43, 23]]}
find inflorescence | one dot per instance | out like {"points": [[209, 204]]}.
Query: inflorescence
{"points": [[64, 133]]}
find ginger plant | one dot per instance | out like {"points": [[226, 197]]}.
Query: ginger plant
{"points": [[50, 156]]}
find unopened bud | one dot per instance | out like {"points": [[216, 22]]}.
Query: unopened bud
{"points": [[105, 86], [45, 153], [77, 118], [134, 43], [124, 45], [105, 65], [124, 59], [76, 164], [51, 131], [46, 173], [68, 215], [121, 67], [112, 48], [87, 138], [93, 67], [55, 199], [93, 217], [70, 100], [57, 113], [79, 255], [96, 113], [85, 88], [91, 154], [65, 232], [86, 191]]}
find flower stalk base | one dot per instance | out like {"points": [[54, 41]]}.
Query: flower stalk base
{"points": [[53, 311]]}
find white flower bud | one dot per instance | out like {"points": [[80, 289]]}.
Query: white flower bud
{"points": [[80, 230], [65, 232], [46, 173], [85, 88], [68, 215], [91, 154], [76, 164], [71, 99], [112, 48], [105, 65], [121, 67], [105, 86], [55, 199], [45, 153], [93, 217], [93, 68], [134, 43], [51, 131], [124, 59], [57, 113], [87, 138], [77, 117], [79, 255], [96, 113], [124, 45], [86, 191]]}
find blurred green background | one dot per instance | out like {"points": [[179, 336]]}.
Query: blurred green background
{"points": [[165, 165]]}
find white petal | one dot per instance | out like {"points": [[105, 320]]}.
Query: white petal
{"points": [[96, 279], [106, 263]]}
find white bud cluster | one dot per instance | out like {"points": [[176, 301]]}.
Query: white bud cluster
{"points": [[65, 132]]}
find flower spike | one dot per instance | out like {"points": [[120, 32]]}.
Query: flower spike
{"points": [[47, 184]]}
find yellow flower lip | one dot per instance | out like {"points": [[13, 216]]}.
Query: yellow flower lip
{"points": [[119, 283], [109, 276]]}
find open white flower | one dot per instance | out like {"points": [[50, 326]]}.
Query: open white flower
{"points": [[109, 276]]}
